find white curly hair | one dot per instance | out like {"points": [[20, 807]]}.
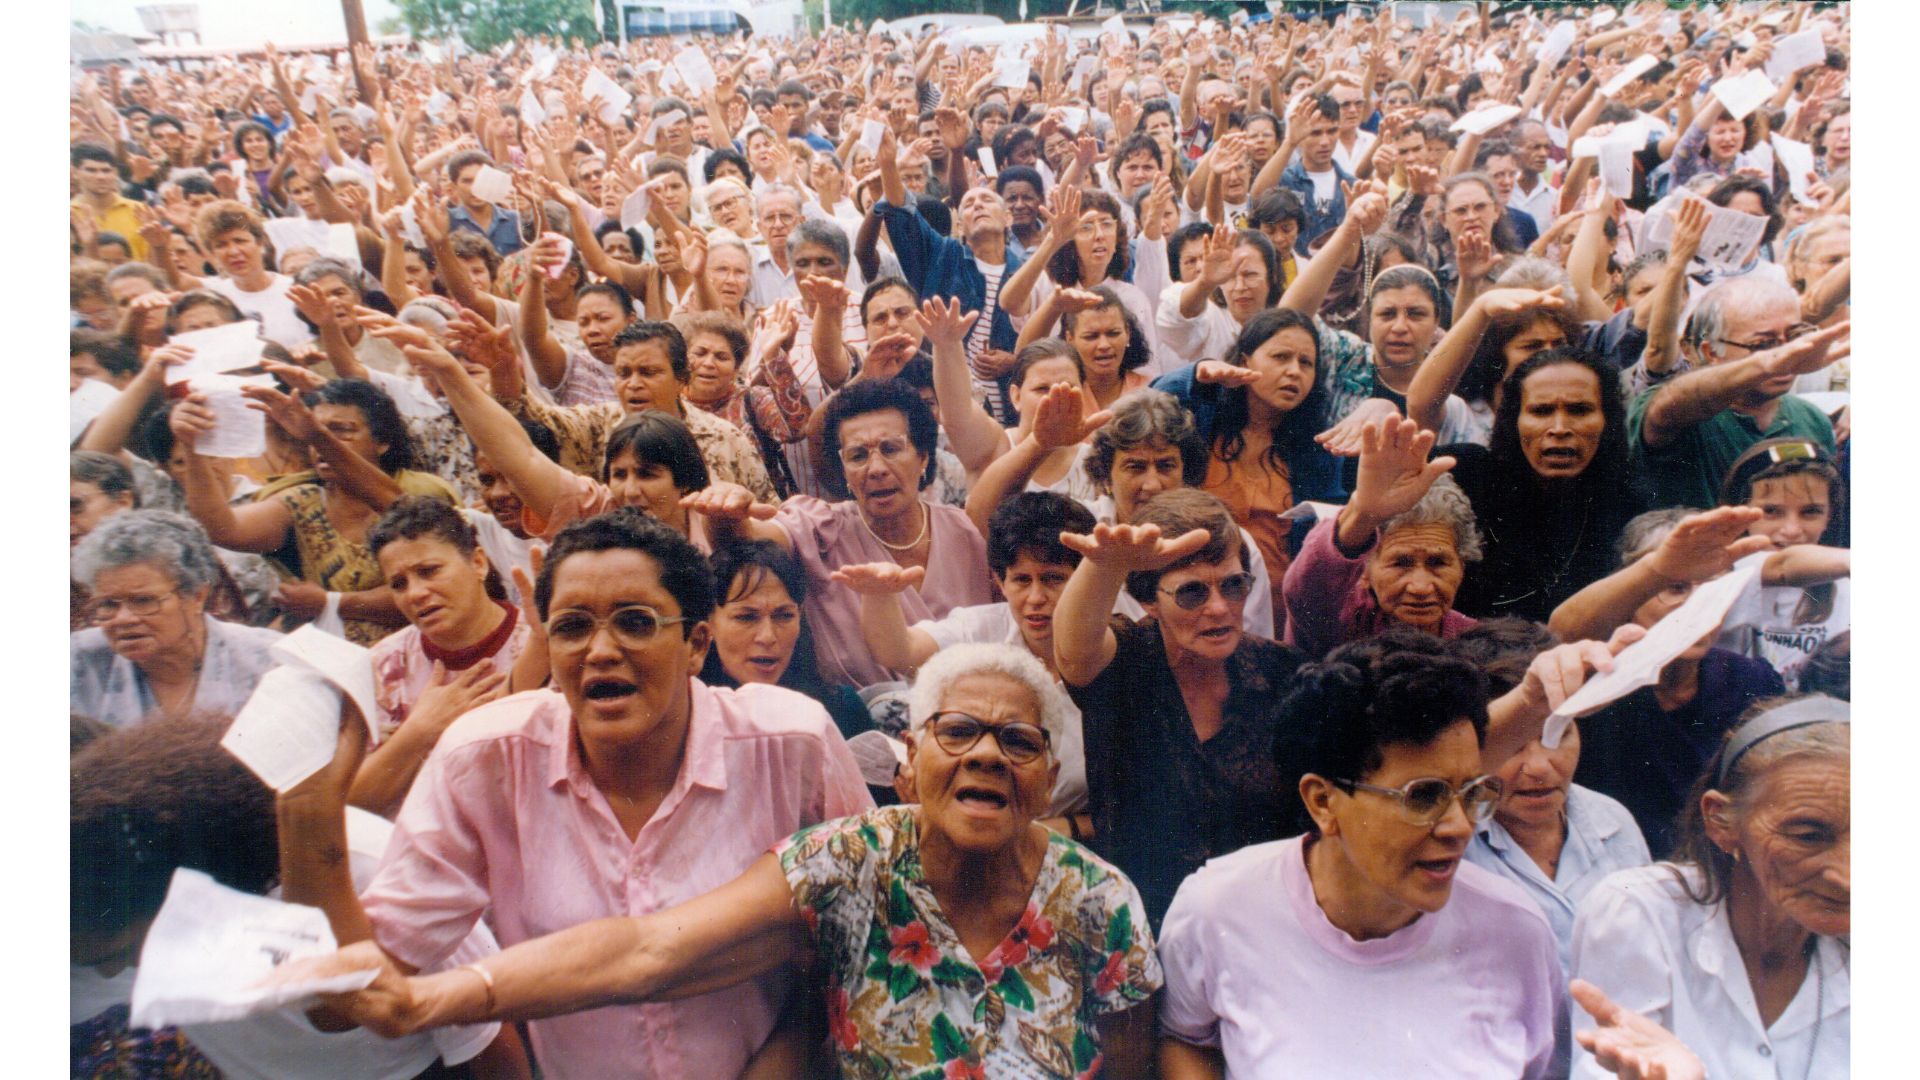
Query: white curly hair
{"points": [[958, 661]]}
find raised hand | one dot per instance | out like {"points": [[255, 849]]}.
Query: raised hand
{"points": [[1346, 438], [190, 419], [1806, 355], [1216, 266], [693, 251], [286, 410], [1072, 300], [943, 322], [1394, 475], [1062, 421], [1221, 373], [1366, 209], [1473, 253], [725, 501], [317, 309], [1707, 545], [1063, 215], [1630, 1045], [1689, 225], [1423, 180], [888, 356], [1505, 303], [823, 294], [880, 579], [775, 327], [1555, 675], [1127, 548]]}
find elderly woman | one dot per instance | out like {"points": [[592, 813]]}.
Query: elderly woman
{"points": [[1367, 947], [1739, 946], [627, 789], [720, 269], [150, 801], [1552, 837], [1394, 555], [1182, 708], [153, 647], [1552, 490], [919, 913], [878, 441]]}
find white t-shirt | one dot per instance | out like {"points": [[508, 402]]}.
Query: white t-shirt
{"points": [[1761, 624], [994, 624], [279, 319], [504, 550], [1254, 967], [283, 1045], [1327, 184], [1346, 158]]}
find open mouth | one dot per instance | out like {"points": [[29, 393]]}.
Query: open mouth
{"points": [[608, 689], [767, 665], [1038, 622], [980, 799], [1560, 455], [1438, 869], [1218, 633], [427, 613]]}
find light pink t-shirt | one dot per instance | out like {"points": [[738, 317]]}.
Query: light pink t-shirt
{"points": [[504, 816], [402, 670], [1254, 968]]}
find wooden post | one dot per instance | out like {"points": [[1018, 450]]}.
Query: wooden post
{"points": [[356, 20]]}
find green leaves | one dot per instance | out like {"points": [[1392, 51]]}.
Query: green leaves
{"points": [[1013, 987], [486, 23], [948, 1043], [1120, 930]]}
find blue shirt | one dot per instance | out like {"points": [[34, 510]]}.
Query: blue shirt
{"points": [[504, 233], [1601, 838], [1322, 215]]}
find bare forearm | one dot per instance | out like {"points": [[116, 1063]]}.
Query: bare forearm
{"points": [[1441, 371], [1083, 643], [374, 605], [1606, 605], [1690, 400], [896, 646], [314, 864], [387, 774], [1803, 565], [1663, 319], [360, 478], [110, 430]]}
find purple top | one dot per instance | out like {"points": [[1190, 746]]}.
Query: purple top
{"points": [[1329, 602]]}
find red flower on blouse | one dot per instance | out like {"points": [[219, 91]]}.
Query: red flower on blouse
{"points": [[1112, 975], [839, 1025], [1034, 933], [964, 1069], [911, 947]]}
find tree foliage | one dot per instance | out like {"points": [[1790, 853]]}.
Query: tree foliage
{"points": [[486, 23]]}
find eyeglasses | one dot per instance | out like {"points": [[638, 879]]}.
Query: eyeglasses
{"points": [[1233, 588], [105, 608], [893, 450], [1797, 330], [1425, 801], [957, 733], [633, 626]]}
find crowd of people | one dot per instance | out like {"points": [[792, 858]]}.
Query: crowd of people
{"points": [[887, 556]]}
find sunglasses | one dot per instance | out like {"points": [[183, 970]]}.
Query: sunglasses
{"points": [[1233, 588], [1425, 801]]}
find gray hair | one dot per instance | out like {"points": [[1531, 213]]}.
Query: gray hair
{"points": [[826, 234], [341, 174], [720, 238], [1735, 296], [1142, 418], [1646, 531], [1527, 272], [1443, 504], [956, 662], [760, 198], [430, 313], [146, 272], [331, 266], [174, 543], [103, 471]]}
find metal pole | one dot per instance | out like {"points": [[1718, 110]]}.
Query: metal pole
{"points": [[356, 21]]}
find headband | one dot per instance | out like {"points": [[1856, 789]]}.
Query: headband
{"points": [[1806, 712]]}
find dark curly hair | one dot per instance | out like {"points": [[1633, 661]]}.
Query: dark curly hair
{"points": [[150, 799], [683, 570], [1397, 688], [878, 395], [1064, 267], [1030, 523], [1138, 353], [381, 415]]}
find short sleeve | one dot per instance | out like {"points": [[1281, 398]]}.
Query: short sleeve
{"points": [[967, 624], [1127, 970], [830, 869], [432, 883], [1186, 1009]]}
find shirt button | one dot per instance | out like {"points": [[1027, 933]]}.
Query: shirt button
{"points": [[1765, 1050]]}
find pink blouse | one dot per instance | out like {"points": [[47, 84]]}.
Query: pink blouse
{"points": [[827, 536], [504, 820]]}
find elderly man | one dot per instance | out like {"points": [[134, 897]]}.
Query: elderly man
{"points": [[777, 209], [1747, 345]]}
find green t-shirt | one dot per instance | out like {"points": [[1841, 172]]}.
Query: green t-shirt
{"points": [[1688, 470]]}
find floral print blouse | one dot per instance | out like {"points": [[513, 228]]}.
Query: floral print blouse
{"points": [[906, 1000]]}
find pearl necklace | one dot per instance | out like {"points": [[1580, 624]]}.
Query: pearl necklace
{"points": [[926, 520]]}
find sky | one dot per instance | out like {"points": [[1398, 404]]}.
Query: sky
{"points": [[244, 22]]}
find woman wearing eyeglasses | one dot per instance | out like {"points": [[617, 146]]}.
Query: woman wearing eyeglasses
{"points": [[153, 647], [627, 788], [1180, 710], [1367, 947], [1394, 556], [959, 937]]}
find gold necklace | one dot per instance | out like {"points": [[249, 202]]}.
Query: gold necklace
{"points": [[926, 520]]}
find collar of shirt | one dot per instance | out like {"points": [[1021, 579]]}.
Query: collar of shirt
{"points": [[1718, 955], [705, 763]]}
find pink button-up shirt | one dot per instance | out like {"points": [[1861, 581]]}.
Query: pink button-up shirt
{"points": [[504, 816]]}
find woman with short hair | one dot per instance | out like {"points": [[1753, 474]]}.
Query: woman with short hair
{"points": [[1740, 945], [152, 646], [1369, 946], [958, 936]]}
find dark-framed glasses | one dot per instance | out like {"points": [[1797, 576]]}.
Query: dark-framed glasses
{"points": [[1425, 801], [957, 733], [1191, 595], [1797, 330], [105, 608], [633, 626]]}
